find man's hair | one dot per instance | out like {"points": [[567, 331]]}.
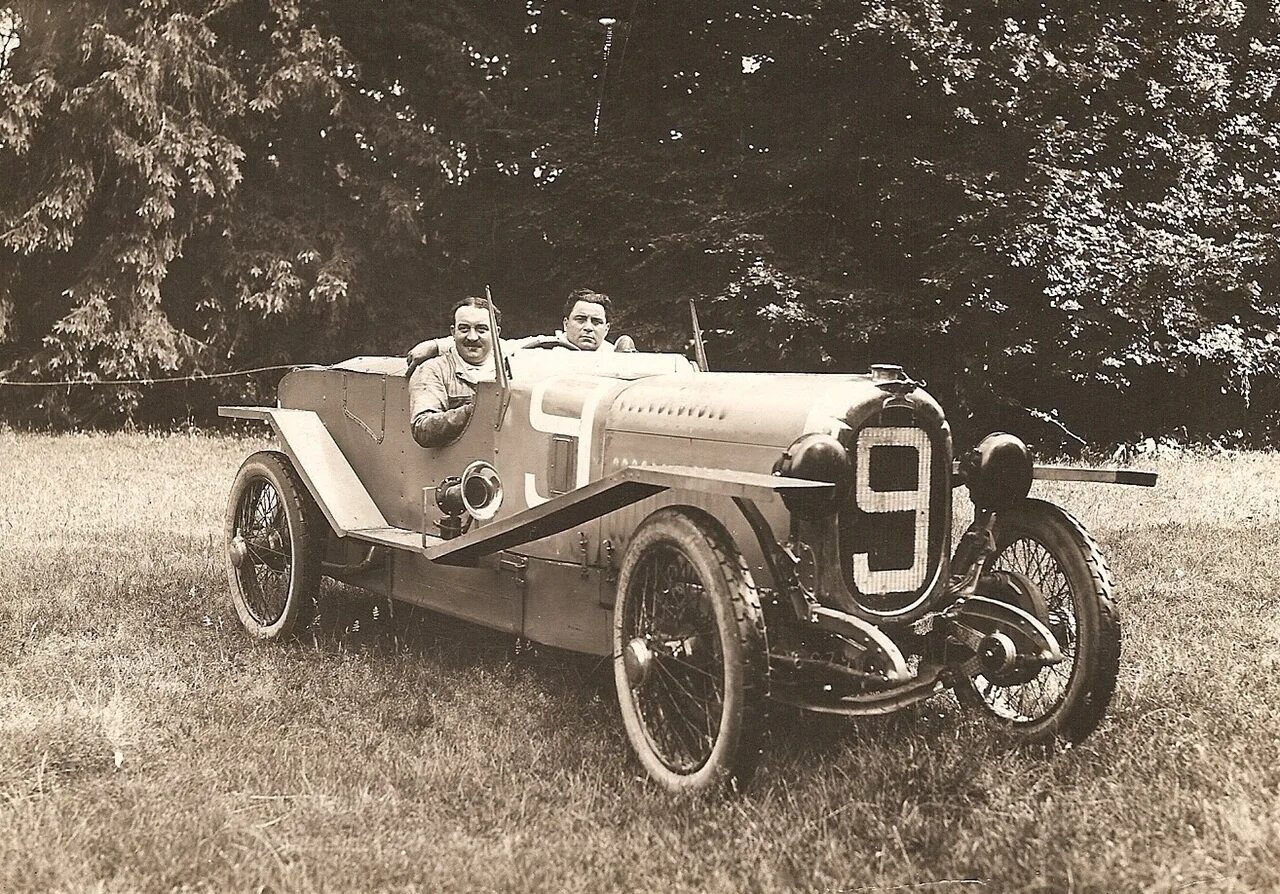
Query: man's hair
{"points": [[588, 295], [474, 301]]}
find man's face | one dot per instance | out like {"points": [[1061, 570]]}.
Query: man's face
{"points": [[471, 335], [586, 325]]}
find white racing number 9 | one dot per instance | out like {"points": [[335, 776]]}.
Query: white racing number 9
{"points": [[894, 580]]}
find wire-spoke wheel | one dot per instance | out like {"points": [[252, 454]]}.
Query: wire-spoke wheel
{"points": [[1039, 543], [274, 537], [690, 660]]}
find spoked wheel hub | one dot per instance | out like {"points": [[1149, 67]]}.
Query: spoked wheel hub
{"points": [[998, 654], [239, 551], [257, 550], [637, 660], [642, 652]]}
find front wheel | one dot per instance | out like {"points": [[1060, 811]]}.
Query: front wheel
{"points": [[274, 534], [690, 660], [1039, 543]]}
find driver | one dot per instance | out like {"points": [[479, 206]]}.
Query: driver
{"points": [[586, 323], [442, 391]]}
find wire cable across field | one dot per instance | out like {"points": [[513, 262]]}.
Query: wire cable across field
{"points": [[197, 377]]}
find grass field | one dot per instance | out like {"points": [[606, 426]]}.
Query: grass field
{"points": [[147, 744]]}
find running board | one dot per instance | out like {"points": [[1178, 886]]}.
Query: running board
{"points": [[622, 488], [397, 538]]}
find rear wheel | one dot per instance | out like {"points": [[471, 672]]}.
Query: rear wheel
{"points": [[1040, 544], [274, 534], [690, 660]]}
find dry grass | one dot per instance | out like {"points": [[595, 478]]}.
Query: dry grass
{"points": [[146, 744]]}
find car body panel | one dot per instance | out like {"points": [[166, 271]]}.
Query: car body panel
{"points": [[569, 419], [605, 496], [540, 452], [393, 468], [485, 594]]}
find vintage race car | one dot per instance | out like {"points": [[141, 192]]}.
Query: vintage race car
{"points": [[728, 538]]}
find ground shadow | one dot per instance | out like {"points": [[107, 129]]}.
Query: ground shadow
{"points": [[353, 619]]}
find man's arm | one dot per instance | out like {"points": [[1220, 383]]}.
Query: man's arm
{"points": [[437, 428], [433, 423], [427, 350], [437, 347]]}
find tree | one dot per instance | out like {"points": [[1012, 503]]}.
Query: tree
{"points": [[188, 184], [1049, 209]]}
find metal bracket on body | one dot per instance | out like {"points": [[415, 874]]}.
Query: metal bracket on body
{"points": [[517, 566], [1134, 477], [610, 562]]}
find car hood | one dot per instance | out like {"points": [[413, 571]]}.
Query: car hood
{"points": [[767, 409]]}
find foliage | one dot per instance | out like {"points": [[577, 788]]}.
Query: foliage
{"points": [[1067, 210], [187, 188]]}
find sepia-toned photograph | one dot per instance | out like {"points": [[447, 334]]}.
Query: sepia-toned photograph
{"points": [[633, 445]]}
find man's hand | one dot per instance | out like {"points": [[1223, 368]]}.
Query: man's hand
{"points": [[420, 354], [437, 428]]}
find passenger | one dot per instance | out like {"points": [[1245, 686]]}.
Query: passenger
{"points": [[586, 320], [442, 391], [586, 323]]}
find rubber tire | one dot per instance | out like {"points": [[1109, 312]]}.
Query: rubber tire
{"points": [[1098, 637], [307, 532], [740, 628]]}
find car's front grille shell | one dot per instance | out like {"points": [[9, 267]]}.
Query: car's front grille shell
{"points": [[895, 529]]}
